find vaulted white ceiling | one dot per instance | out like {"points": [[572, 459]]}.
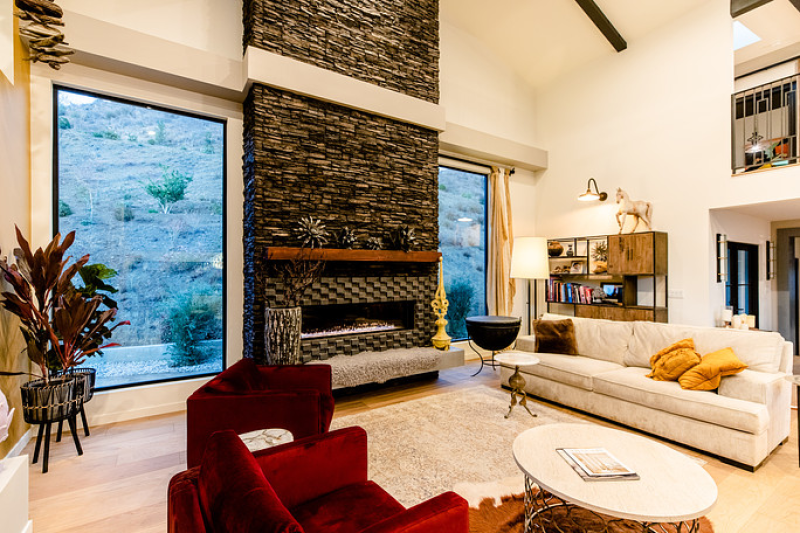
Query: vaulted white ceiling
{"points": [[543, 39]]}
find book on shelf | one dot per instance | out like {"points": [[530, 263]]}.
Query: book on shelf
{"points": [[560, 292], [596, 464]]}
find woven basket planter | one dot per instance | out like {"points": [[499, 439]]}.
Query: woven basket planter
{"points": [[282, 335], [90, 375], [62, 398]]}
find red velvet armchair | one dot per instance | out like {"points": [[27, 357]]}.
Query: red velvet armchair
{"points": [[247, 397], [313, 485]]}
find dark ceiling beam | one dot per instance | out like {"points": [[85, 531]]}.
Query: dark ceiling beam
{"points": [[795, 3], [600, 20], [740, 7]]}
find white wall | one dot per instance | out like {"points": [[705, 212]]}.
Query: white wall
{"points": [[655, 121], [211, 25], [14, 201], [478, 91]]}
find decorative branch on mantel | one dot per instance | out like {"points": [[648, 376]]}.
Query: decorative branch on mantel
{"points": [[45, 40]]}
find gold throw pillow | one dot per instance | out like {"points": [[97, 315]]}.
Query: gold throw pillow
{"points": [[670, 363], [708, 374]]}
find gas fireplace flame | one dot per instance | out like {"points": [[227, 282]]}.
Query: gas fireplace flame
{"points": [[368, 327]]}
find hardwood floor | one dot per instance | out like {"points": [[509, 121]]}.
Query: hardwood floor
{"points": [[119, 485]]}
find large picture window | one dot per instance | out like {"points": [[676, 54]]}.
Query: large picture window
{"points": [[462, 241], [143, 188]]}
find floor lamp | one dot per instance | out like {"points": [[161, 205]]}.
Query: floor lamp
{"points": [[529, 260]]}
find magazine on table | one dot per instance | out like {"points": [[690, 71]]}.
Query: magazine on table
{"points": [[596, 464]]}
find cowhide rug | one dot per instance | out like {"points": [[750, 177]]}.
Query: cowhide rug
{"points": [[509, 517]]}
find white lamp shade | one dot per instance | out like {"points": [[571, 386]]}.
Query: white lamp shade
{"points": [[529, 259]]}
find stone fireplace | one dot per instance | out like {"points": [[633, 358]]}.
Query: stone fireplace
{"points": [[346, 167]]}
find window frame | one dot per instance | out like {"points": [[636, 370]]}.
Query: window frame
{"points": [[474, 168], [56, 87]]}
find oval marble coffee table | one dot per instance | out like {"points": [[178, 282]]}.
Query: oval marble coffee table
{"points": [[516, 381], [671, 488]]}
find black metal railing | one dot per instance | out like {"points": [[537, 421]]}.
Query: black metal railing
{"points": [[764, 125]]}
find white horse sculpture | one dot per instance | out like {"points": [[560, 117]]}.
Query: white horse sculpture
{"points": [[639, 210]]}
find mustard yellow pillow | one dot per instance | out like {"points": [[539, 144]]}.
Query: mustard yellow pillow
{"points": [[671, 362], [708, 374]]}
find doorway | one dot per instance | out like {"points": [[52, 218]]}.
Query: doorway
{"points": [[741, 288]]}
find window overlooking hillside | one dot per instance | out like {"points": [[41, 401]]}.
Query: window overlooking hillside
{"points": [[462, 241], [143, 189]]}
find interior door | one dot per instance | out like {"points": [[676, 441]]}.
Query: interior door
{"points": [[741, 289]]}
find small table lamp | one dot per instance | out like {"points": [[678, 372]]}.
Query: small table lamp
{"points": [[529, 260]]}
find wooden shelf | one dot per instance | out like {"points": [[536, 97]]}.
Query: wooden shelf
{"points": [[277, 253]]}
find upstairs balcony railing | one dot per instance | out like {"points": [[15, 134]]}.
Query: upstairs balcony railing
{"points": [[764, 123]]}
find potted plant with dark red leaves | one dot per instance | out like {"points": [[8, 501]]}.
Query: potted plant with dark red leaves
{"points": [[60, 324]]}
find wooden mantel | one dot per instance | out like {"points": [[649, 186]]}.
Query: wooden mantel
{"points": [[276, 253]]}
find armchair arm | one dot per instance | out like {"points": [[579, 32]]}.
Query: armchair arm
{"points": [[446, 512], [300, 412], [183, 504], [308, 468]]}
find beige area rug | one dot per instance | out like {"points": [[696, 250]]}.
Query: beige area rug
{"points": [[453, 441]]}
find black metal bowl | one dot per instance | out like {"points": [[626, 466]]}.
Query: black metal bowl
{"points": [[493, 332]]}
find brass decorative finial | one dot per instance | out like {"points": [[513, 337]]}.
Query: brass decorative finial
{"points": [[441, 341]]}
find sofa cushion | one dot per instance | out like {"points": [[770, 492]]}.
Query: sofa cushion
{"points": [[234, 494], [707, 375], [751, 386], [760, 350], [348, 510], [597, 338], [673, 361], [555, 336], [575, 370], [631, 384], [650, 338]]}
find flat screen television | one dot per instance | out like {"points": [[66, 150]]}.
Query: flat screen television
{"points": [[613, 292]]}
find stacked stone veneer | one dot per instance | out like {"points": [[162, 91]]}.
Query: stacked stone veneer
{"points": [[391, 43], [346, 167]]}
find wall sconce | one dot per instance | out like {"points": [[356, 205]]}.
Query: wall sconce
{"points": [[722, 258], [590, 196], [770, 260]]}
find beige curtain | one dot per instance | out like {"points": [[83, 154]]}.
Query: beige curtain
{"points": [[500, 286]]}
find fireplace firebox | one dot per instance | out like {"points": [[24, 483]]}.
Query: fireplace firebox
{"points": [[320, 321]]}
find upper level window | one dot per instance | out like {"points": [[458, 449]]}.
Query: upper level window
{"points": [[462, 241], [143, 188]]}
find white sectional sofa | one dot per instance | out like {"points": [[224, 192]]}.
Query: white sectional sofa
{"points": [[744, 421]]}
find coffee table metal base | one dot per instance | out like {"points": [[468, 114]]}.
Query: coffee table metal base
{"points": [[545, 512]]}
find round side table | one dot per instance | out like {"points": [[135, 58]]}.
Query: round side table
{"points": [[516, 381], [261, 439]]}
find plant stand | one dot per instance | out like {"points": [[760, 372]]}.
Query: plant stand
{"points": [[46, 404], [89, 375]]}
